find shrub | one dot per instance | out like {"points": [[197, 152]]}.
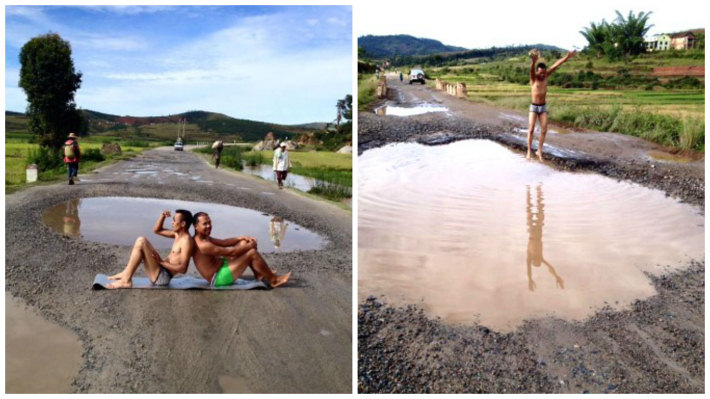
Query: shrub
{"points": [[92, 154], [46, 158], [254, 158]]}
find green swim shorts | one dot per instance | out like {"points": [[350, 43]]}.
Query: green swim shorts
{"points": [[224, 276]]}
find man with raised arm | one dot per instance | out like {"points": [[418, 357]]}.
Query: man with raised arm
{"points": [[160, 271], [221, 262], [538, 108]]}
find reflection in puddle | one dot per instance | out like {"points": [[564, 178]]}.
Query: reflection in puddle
{"points": [[536, 220], [120, 220], [40, 356], [402, 111], [459, 229]]}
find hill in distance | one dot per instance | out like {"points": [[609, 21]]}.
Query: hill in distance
{"points": [[402, 45], [201, 125]]}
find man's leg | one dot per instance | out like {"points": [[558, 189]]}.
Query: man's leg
{"points": [[144, 252], [257, 264], [543, 132], [531, 128]]}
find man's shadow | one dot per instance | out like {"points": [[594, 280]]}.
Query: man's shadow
{"points": [[535, 221]]}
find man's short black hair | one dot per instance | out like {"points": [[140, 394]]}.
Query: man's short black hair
{"points": [[186, 216], [196, 217], [541, 65]]}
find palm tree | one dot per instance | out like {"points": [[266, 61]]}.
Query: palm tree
{"points": [[631, 32]]}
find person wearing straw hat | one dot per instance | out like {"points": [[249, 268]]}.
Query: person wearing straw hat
{"points": [[72, 156], [282, 163]]}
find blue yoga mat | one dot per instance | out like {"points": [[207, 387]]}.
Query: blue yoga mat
{"points": [[101, 282]]}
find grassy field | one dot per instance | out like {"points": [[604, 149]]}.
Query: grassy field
{"points": [[17, 149], [366, 84], [670, 116]]}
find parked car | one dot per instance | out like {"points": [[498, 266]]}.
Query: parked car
{"points": [[416, 75], [178, 145]]}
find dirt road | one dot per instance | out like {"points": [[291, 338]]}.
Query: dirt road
{"points": [[295, 339], [657, 345]]}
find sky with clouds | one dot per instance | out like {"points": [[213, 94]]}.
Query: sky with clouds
{"points": [[483, 24], [281, 64]]}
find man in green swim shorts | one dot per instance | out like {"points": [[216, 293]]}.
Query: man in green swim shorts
{"points": [[221, 262]]}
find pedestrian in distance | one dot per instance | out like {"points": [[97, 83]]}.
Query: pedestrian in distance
{"points": [[72, 156], [281, 164]]}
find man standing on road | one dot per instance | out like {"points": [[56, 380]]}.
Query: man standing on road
{"points": [[281, 163], [160, 271], [217, 146], [538, 108], [221, 262], [72, 156]]}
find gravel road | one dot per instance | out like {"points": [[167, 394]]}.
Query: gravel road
{"points": [[294, 339], [658, 345]]}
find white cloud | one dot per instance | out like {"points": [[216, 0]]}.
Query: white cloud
{"points": [[131, 10]]}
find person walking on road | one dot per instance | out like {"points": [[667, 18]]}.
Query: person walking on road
{"points": [[217, 146], [282, 164], [72, 156]]}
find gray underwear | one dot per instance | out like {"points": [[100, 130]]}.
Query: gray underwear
{"points": [[164, 277], [538, 109]]}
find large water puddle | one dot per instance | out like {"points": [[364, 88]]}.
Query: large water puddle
{"points": [[409, 111], [40, 357], [119, 220], [471, 231]]}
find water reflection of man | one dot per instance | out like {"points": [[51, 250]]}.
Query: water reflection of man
{"points": [[72, 224], [160, 271], [536, 220], [277, 230]]}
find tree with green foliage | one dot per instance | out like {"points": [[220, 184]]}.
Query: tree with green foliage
{"points": [[49, 80], [624, 38]]}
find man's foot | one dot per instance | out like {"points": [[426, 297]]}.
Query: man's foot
{"points": [[120, 284], [539, 156], [71, 181], [117, 276], [529, 155], [280, 280]]}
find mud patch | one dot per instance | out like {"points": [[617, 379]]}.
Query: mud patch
{"points": [[40, 357], [120, 220], [472, 232]]}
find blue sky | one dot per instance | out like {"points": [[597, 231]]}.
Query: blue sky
{"points": [[282, 64], [483, 24]]}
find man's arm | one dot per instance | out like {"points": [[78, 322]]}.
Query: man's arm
{"points": [[158, 228], [208, 247], [560, 62], [230, 242], [187, 248]]}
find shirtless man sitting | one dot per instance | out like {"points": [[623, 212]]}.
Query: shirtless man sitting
{"points": [[160, 271], [538, 108], [221, 262]]}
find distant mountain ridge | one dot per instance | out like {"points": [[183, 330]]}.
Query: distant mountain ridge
{"points": [[402, 45], [211, 122]]}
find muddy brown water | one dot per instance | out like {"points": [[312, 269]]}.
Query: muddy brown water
{"points": [[472, 231], [409, 111], [40, 356], [120, 220]]}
